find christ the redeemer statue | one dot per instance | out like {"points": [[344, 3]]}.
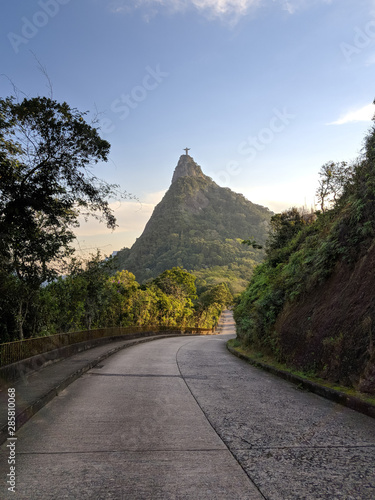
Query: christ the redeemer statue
{"points": [[186, 151]]}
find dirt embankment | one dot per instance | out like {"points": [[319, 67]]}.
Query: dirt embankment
{"points": [[331, 330]]}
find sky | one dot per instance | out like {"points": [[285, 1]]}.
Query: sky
{"points": [[264, 92]]}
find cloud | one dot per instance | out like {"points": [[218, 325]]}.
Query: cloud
{"points": [[291, 193], [229, 10], [290, 7], [153, 198], [364, 114], [210, 8], [131, 216]]}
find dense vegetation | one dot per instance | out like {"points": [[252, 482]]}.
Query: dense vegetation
{"points": [[199, 226], [311, 304], [91, 296], [47, 151]]}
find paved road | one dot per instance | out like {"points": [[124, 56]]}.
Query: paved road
{"points": [[181, 418]]}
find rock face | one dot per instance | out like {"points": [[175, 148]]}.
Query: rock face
{"points": [[187, 167], [198, 225]]}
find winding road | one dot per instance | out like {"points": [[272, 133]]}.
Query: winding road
{"points": [[182, 418]]}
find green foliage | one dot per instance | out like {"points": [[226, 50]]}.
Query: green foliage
{"points": [[46, 153], [303, 251], [333, 179], [74, 302], [284, 227], [46, 149], [219, 294], [178, 282], [91, 296], [11, 293], [212, 302], [235, 275], [252, 243]]}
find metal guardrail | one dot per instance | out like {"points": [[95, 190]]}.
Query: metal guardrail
{"points": [[11, 352]]}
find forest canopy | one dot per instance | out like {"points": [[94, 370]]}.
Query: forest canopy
{"points": [[47, 151]]}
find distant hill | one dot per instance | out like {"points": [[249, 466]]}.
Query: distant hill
{"points": [[199, 226]]}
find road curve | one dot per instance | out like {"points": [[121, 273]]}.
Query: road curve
{"points": [[182, 418]]}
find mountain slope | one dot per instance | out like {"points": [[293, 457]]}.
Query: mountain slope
{"points": [[198, 225], [311, 304]]}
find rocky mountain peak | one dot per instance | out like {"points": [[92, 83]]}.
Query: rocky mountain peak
{"points": [[186, 167], [197, 225]]}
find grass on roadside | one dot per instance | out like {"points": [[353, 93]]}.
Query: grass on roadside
{"points": [[260, 357]]}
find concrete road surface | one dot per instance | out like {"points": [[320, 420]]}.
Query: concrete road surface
{"points": [[182, 418]]}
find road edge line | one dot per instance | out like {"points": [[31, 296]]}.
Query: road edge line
{"points": [[334, 395]]}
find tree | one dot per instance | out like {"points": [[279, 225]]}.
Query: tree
{"points": [[178, 282], [80, 300], [94, 276], [333, 179], [46, 153], [283, 227], [218, 294], [252, 243], [122, 290]]}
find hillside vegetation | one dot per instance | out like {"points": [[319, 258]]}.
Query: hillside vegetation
{"points": [[199, 226], [311, 304], [91, 296], [47, 157]]}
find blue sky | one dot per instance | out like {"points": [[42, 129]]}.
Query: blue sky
{"points": [[262, 91]]}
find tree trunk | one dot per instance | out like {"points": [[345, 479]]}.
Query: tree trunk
{"points": [[21, 319]]}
